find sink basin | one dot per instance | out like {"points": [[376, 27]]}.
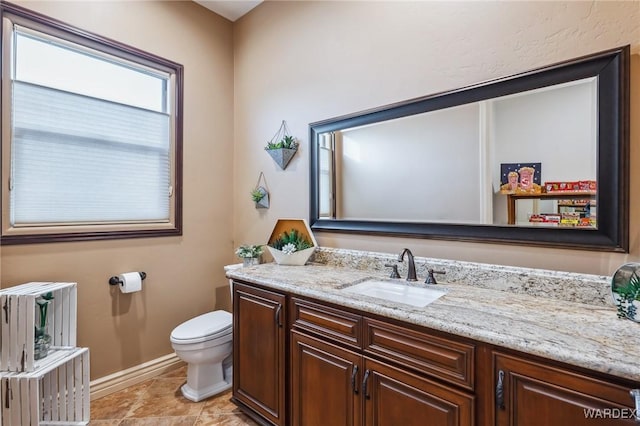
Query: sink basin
{"points": [[398, 292]]}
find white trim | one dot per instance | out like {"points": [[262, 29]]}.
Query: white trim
{"points": [[81, 47], [134, 375], [485, 133]]}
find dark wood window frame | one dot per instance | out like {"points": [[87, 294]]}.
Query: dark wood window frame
{"points": [[109, 231]]}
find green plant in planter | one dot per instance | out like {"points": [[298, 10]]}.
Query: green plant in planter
{"points": [[287, 142], [249, 251], [627, 295], [257, 195], [250, 254], [291, 242]]}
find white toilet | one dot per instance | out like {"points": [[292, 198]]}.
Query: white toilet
{"points": [[205, 344]]}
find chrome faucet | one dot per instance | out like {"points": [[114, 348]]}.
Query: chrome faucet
{"points": [[411, 267]]}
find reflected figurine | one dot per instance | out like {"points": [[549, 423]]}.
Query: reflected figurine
{"points": [[526, 181], [512, 184]]}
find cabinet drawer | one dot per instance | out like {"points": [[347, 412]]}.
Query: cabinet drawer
{"points": [[337, 325], [446, 359], [534, 390], [397, 397]]}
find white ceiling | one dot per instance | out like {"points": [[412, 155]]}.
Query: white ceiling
{"points": [[230, 9]]}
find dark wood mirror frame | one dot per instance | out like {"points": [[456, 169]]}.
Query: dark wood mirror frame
{"points": [[612, 69]]}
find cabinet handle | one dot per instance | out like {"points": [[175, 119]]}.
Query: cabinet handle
{"points": [[364, 384], [354, 383], [278, 315], [7, 394], [635, 395], [500, 390]]}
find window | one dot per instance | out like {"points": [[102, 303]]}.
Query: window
{"points": [[326, 147], [91, 135]]}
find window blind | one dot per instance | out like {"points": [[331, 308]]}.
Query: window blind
{"points": [[77, 159]]}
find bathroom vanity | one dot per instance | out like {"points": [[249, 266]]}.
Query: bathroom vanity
{"points": [[509, 347]]}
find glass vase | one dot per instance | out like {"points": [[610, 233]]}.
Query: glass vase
{"points": [[42, 342], [42, 339]]}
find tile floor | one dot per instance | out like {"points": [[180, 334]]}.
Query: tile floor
{"points": [[159, 402]]}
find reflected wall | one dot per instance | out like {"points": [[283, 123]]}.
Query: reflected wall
{"points": [[445, 166]]}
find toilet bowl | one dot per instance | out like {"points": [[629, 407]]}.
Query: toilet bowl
{"points": [[205, 344]]}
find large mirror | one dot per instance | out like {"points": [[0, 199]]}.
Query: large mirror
{"points": [[536, 158]]}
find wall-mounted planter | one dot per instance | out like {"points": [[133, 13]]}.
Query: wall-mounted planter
{"points": [[282, 156], [260, 193], [282, 146], [262, 203]]}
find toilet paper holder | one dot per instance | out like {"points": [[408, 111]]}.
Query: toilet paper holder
{"points": [[117, 281]]}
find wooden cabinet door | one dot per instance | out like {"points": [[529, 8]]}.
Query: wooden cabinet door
{"points": [[259, 326], [394, 397], [325, 383], [531, 394]]}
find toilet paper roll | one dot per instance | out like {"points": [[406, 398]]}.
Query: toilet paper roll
{"points": [[130, 282]]}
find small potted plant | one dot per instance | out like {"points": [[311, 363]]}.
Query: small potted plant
{"points": [[291, 242], [282, 147], [625, 288], [260, 197], [250, 254]]}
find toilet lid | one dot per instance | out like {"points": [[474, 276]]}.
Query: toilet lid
{"points": [[204, 327]]}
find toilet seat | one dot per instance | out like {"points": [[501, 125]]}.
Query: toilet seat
{"points": [[206, 327]]}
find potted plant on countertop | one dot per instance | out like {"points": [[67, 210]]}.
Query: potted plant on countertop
{"points": [[625, 289], [250, 254], [291, 242]]}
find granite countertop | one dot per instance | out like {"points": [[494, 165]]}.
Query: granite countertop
{"points": [[580, 334]]}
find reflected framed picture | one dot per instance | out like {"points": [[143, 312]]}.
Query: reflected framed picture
{"points": [[520, 178]]}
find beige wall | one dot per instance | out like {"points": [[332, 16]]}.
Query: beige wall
{"points": [[307, 61], [302, 62], [183, 272]]}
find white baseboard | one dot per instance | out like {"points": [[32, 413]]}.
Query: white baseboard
{"points": [[134, 375]]}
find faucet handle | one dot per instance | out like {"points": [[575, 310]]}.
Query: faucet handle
{"points": [[430, 278], [394, 270]]}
